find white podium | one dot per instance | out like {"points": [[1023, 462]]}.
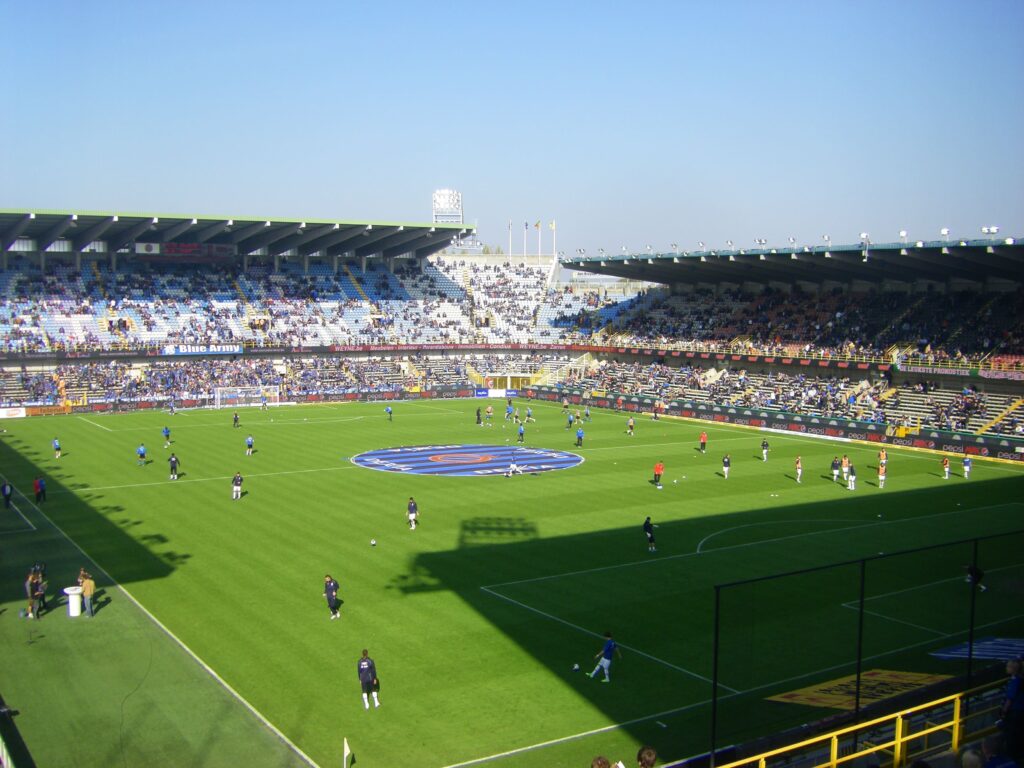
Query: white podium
{"points": [[74, 601]]}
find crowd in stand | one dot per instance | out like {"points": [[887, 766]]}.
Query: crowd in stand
{"points": [[460, 302]]}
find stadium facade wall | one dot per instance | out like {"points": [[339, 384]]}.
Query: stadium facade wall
{"points": [[1005, 448]]}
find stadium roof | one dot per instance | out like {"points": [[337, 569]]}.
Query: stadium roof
{"points": [[974, 260], [240, 235]]}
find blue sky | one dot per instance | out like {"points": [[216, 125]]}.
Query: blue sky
{"points": [[628, 123]]}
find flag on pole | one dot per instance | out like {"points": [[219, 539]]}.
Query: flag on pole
{"points": [[551, 226], [345, 755], [526, 225], [510, 225], [537, 225]]}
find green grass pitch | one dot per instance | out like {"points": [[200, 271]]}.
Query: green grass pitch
{"points": [[476, 618]]}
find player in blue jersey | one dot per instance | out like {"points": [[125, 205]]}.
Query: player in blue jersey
{"points": [[604, 657], [248, 445], [764, 449], [390, 414], [368, 680], [508, 412], [967, 467], [571, 418], [234, 420], [140, 453], [173, 463], [586, 413], [166, 432], [726, 464], [835, 469], [56, 448], [522, 434], [529, 414], [579, 437]]}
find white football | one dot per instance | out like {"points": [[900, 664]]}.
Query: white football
{"points": [[373, 542], [575, 667]]}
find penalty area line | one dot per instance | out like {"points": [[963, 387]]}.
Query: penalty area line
{"points": [[98, 426], [578, 628]]}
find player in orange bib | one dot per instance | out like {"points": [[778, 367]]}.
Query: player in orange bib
{"points": [[881, 475], [945, 468], [799, 468], [846, 468]]}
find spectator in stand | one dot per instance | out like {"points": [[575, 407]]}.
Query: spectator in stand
{"points": [[1011, 721]]}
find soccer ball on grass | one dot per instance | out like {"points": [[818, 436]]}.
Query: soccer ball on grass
{"points": [[373, 542]]}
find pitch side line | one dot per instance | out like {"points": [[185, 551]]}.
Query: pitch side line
{"points": [[685, 555], [780, 522], [181, 644], [201, 479], [600, 636]]}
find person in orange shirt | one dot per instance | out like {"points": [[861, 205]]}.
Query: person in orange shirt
{"points": [[945, 468], [630, 426], [799, 468], [703, 442], [659, 470], [846, 468], [881, 475], [883, 458]]}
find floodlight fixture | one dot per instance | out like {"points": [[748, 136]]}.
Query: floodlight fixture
{"points": [[903, 235]]}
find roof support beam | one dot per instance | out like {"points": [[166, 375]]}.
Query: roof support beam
{"points": [[300, 236], [396, 246], [330, 240], [92, 233], [14, 232], [366, 244], [176, 230], [51, 235], [248, 231], [265, 238], [122, 239], [212, 230]]}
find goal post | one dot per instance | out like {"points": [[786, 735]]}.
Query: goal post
{"points": [[240, 397]]}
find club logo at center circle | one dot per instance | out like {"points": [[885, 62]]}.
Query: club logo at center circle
{"points": [[465, 460]]}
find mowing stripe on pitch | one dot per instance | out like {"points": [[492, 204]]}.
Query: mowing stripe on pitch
{"points": [[685, 555], [181, 644]]}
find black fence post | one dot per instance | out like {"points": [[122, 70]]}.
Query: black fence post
{"points": [[714, 678], [860, 637], [975, 585]]}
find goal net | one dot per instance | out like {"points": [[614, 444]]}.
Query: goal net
{"points": [[238, 397]]}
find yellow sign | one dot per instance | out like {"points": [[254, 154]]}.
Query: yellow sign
{"points": [[875, 685]]}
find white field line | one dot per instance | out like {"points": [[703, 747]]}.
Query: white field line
{"points": [[700, 546], [20, 513], [98, 426], [598, 635], [755, 689], [744, 545], [854, 605], [181, 644], [937, 632], [260, 424], [202, 479]]}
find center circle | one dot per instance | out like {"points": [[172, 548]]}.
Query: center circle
{"points": [[466, 460]]}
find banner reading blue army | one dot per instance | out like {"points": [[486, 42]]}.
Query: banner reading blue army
{"points": [[466, 460]]}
